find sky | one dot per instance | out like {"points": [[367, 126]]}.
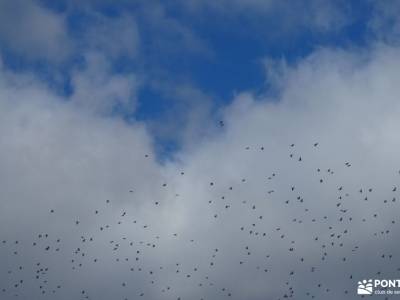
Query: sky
{"points": [[198, 149]]}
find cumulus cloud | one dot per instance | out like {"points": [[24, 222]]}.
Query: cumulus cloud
{"points": [[54, 155], [348, 104], [50, 149], [235, 214]]}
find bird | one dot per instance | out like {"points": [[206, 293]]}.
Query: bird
{"points": [[243, 224]]}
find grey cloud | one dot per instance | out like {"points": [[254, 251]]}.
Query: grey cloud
{"points": [[31, 30], [55, 155], [350, 109]]}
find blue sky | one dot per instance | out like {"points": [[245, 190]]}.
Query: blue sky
{"points": [[215, 49], [110, 128]]}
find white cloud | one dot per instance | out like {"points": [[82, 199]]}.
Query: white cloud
{"points": [[55, 155], [346, 102], [97, 88]]}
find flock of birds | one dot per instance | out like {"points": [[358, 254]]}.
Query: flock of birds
{"points": [[36, 262]]}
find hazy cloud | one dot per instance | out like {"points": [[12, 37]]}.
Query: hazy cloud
{"points": [[33, 31], [97, 88], [287, 17], [385, 22], [115, 37]]}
